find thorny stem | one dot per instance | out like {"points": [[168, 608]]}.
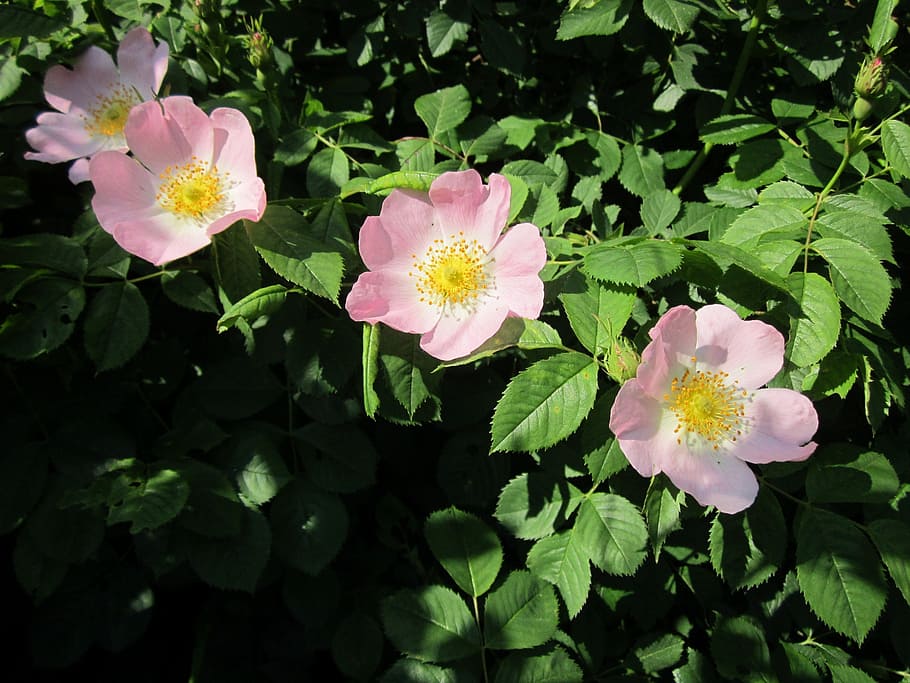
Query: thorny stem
{"points": [[483, 653], [738, 73]]}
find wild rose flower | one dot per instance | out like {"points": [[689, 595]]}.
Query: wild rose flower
{"points": [[441, 266], [695, 410], [191, 175], [93, 101]]}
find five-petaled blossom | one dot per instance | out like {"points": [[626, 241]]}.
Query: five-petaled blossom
{"points": [[441, 266], [191, 175], [695, 410], [93, 101]]}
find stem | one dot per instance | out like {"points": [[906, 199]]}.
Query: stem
{"points": [[739, 72], [483, 653], [845, 159]]}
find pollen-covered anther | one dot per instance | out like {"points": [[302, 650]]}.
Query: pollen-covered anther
{"points": [[194, 190], [707, 404], [108, 115], [451, 272]]}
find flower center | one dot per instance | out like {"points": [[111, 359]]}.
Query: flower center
{"points": [[193, 190], [708, 404], [108, 116], [452, 272]]}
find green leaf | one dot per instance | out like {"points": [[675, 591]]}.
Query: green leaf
{"points": [[613, 533], [553, 667], [860, 281], [674, 15], [235, 562], [561, 559], [662, 506], [739, 649], [604, 18], [309, 526], [725, 255], [327, 172], [844, 473], [20, 22], [843, 673], [466, 548], [697, 669], [521, 332], [839, 573], [189, 290], [815, 326], [370, 368], [257, 466], [596, 313], [896, 145], [521, 613], [660, 653], [42, 318], [632, 264], [444, 109], [409, 370], [642, 171], [609, 157], [409, 670], [43, 250], [732, 128], [255, 305], [748, 548], [151, 502], [430, 623], [658, 211], [765, 220], [443, 31], [863, 229], [880, 32], [533, 173], [296, 147], [116, 325], [236, 263], [892, 538], [534, 504], [343, 459], [280, 237], [545, 403], [357, 646]]}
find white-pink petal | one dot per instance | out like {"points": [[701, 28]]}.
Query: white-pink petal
{"points": [[166, 132], [464, 204], [404, 227], [713, 478], [390, 298], [781, 423], [75, 91], [458, 335], [670, 351], [59, 137], [642, 429], [142, 64], [751, 351]]}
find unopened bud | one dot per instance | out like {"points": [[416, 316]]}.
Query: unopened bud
{"points": [[872, 78], [258, 43], [862, 108], [622, 360]]}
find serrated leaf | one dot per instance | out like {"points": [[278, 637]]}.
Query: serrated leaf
{"points": [[280, 238], [843, 673], [747, 549], [561, 560], [604, 18], [613, 532], [725, 255], [771, 220], [545, 403], [370, 368], [252, 307], [443, 31], [740, 651], [658, 210], [660, 653], [731, 128], [309, 526], [860, 281], [839, 573], [152, 502], [466, 548], [44, 250], [257, 467], [116, 325], [865, 230], [844, 473], [662, 507], [596, 313], [533, 173], [430, 623], [409, 670], [327, 173], [235, 562], [409, 370], [674, 15], [534, 504], [444, 109], [296, 147], [632, 264], [189, 290], [553, 667], [236, 262], [892, 538], [896, 145], [43, 318], [21, 22], [815, 327], [521, 613], [642, 170]]}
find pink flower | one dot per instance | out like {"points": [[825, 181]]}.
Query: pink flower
{"points": [[695, 410], [93, 101], [440, 265], [190, 176]]}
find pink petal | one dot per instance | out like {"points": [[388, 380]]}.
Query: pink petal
{"points": [[519, 252], [390, 298], [75, 90], [523, 295], [669, 353], [457, 334], [248, 201], [404, 227], [123, 189], [713, 478], [159, 238], [642, 428], [142, 64], [751, 351], [464, 204], [59, 137], [79, 171], [780, 422], [168, 138], [235, 147]]}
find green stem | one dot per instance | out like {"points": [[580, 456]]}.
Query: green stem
{"points": [[483, 653], [845, 159], [739, 72]]}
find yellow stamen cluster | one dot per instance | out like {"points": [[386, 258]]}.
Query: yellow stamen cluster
{"points": [[452, 271], [708, 404], [108, 115], [193, 190]]}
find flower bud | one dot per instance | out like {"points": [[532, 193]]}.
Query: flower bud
{"points": [[622, 360], [872, 78], [862, 108], [258, 43]]}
